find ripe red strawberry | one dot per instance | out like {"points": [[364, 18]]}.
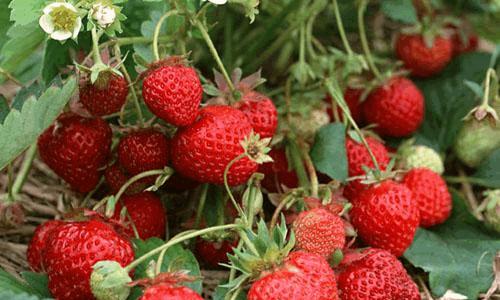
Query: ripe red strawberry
{"points": [[261, 113], [203, 150], [302, 276], [170, 292], [358, 156], [214, 253], [386, 216], [431, 194], [319, 231], [74, 248], [352, 98], [142, 151], [75, 148], [173, 93], [421, 60], [277, 172], [377, 275], [460, 45], [397, 107], [116, 177], [106, 97], [147, 214], [38, 244]]}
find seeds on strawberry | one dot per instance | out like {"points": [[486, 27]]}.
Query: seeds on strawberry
{"points": [[214, 253], [261, 113], [104, 98], [170, 292], [278, 173], [116, 177], [352, 98], [38, 244]]}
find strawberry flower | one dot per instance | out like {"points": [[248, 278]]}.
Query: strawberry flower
{"points": [[218, 2], [105, 15], [61, 21]]}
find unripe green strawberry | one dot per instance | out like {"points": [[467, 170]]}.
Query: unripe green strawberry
{"points": [[492, 211], [475, 141], [420, 156], [306, 126]]}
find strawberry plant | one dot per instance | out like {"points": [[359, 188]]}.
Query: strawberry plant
{"points": [[245, 149]]}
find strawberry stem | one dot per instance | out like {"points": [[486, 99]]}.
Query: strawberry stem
{"points": [[156, 34], [23, 172], [313, 176], [95, 47], [341, 29], [297, 162], [226, 184], [178, 239], [201, 205], [364, 40]]}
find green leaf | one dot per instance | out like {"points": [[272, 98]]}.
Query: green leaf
{"points": [[4, 108], [4, 22], [26, 11], [458, 254], [489, 170], [176, 259], [38, 282], [328, 152], [55, 58], [220, 294], [448, 99], [400, 10], [15, 296], [10, 283], [21, 128]]}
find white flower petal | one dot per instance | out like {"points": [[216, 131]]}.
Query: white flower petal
{"points": [[46, 24], [78, 26], [218, 2], [61, 35], [68, 6], [50, 7]]}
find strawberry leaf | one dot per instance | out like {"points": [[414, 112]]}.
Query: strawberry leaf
{"points": [[4, 108], [458, 254], [220, 294], [21, 128], [13, 296], [400, 10], [26, 11], [14, 289], [489, 171], [38, 282], [328, 152]]}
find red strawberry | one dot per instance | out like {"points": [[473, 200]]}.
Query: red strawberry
{"points": [[214, 253], [165, 291], [377, 275], [302, 276], [358, 156], [75, 148], [147, 214], [72, 251], [173, 93], [319, 231], [116, 177], [421, 60], [277, 172], [38, 244], [104, 98], [203, 150], [142, 151], [397, 107], [431, 194], [352, 98], [461, 45], [386, 216], [261, 113]]}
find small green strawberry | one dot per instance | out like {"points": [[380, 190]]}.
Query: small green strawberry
{"points": [[475, 142], [492, 209], [420, 156]]}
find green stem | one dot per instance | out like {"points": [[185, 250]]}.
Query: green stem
{"points": [[157, 32], [473, 180], [95, 47], [486, 96], [23, 171], [159, 262], [214, 53], [364, 40], [313, 176], [201, 204], [341, 29], [176, 240], [131, 85], [91, 193], [302, 51], [298, 165], [226, 184]]}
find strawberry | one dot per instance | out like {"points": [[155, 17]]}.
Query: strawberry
{"points": [[260, 111], [73, 248], [431, 194], [352, 98], [147, 214], [319, 231], [397, 107], [463, 39], [302, 276], [75, 148], [116, 177], [106, 96], [358, 156], [277, 173], [420, 156], [475, 141], [38, 244], [204, 149], [214, 253], [377, 275], [421, 59], [173, 92], [170, 292], [386, 216], [142, 151]]}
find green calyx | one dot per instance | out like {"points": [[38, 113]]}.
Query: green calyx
{"points": [[109, 281], [419, 156]]}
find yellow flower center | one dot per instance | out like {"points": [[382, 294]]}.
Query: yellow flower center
{"points": [[63, 18]]}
